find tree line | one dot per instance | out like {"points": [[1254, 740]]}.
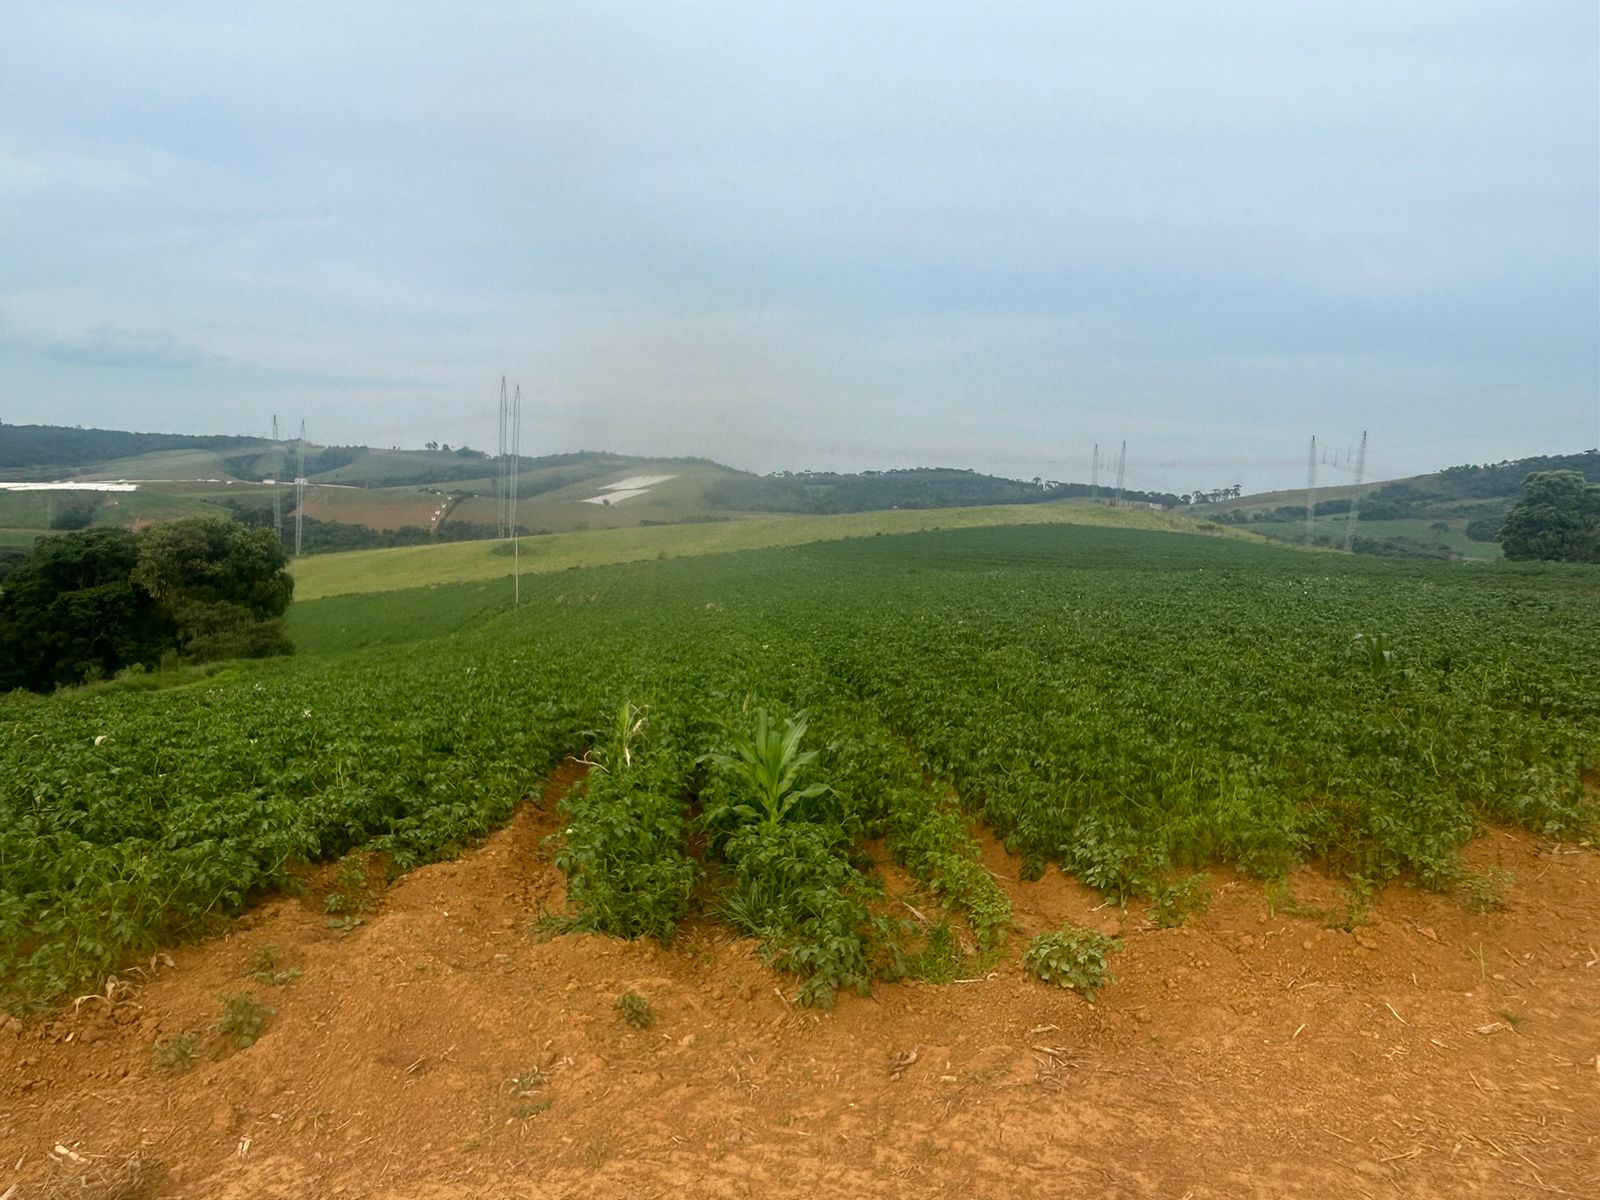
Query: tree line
{"points": [[50, 447], [85, 605]]}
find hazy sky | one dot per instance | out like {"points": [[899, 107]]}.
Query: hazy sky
{"points": [[815, 234]]}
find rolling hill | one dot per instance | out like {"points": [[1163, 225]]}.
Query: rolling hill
{"points": [[1453, 513], [362, 497]]}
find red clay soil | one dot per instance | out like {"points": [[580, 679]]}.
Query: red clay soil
{"points": [[444, 1050]]}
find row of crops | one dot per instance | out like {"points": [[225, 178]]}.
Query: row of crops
{"points": [[1128, 705]]}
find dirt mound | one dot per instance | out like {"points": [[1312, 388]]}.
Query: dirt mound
{"points": [[443, 1048]]}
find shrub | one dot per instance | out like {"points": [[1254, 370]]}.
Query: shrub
{"points": [[1072, 957]]}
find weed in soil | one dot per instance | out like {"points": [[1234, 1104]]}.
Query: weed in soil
{"points": [[1072, 957], [1172, 904], [177, 1054], [635, 1010], [243, 1019], [266, 970]]}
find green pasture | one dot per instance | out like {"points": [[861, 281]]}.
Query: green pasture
{"points": [[179, 465], [413, 566]]}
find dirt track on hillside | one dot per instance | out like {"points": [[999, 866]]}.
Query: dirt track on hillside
{"points": [[442, 1050]]}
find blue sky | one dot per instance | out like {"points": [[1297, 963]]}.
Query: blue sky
{"points": [[814, 235]]}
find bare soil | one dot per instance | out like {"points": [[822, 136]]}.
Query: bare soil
{"points": [[444, 1049]]}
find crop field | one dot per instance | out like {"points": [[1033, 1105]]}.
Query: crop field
{"points": [[416, 566], [1133, 706], [389, 508]]}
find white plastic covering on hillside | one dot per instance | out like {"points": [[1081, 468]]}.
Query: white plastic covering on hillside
{"points": [[627, 489], [93, 486]]}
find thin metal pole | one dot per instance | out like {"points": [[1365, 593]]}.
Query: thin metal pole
{"points": [[300, 489], [277, 487], [516, 542], [1355, 495], [502, 468], [1311, 491]]}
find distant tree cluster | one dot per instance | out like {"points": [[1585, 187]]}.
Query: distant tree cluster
{"points": [[1400, 546], [1506, 478], [85, 605], [1282, 513], [79, 515], [1465, 484]]}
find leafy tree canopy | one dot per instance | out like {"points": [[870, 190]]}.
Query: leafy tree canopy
{"points": [[70, 612], [84, 605], [1557, 518]]}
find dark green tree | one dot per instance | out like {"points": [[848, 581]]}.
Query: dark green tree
{"points": [[71, 611], [84, 605], [1558, 518], [225, 586]]}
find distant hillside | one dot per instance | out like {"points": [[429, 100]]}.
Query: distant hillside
{"points": [[50, 451], [1453, 513], [820, 493], [31, 453], [356, 496], [368, 468], [362, 496]]}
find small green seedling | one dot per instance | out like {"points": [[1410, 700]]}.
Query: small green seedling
{"points": [[177, 1054], [268, 973], [635, 1010], [243, 1018]]}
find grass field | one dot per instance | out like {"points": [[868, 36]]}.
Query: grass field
{"points": [[1130, 704], [1421, 530], [413, 566], [32, 512], [166, 464]]}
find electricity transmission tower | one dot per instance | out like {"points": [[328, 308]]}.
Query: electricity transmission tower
{"points": [[502, 478], [277, 486], [1311, 491], [1122, 470], [300, 488], [1094, 474], [511, 507], [1355, 495]]}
